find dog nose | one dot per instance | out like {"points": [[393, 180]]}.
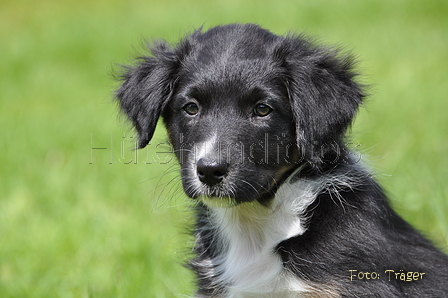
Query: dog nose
{"points": [[211, 172]]}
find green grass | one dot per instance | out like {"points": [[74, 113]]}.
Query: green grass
{"points": [[69, 228]]}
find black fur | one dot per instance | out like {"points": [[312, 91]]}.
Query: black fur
{"points": [[226, 72], [368, 236]]}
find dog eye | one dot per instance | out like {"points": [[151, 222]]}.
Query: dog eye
{"points": [[262, 110], [191, 108]]}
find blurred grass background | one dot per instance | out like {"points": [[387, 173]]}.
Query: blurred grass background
{"points": [[83, 222]]}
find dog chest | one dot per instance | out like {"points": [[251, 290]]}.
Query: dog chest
{"points": [[248, 265]]}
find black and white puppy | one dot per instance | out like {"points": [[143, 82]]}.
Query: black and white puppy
{"points": [[284, 209]]}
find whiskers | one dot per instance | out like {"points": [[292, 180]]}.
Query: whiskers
{"points": [[337, 183], [167, 188]]}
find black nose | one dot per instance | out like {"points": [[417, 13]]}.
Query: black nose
{"points": [[211, 172]]}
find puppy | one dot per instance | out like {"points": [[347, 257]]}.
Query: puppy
{"points": [[284, 209]]}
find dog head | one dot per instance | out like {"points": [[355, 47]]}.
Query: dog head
{"points": [[244, 108]]}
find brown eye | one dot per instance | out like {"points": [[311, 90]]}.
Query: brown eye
{"points": [[262, 110], [191, 108]]}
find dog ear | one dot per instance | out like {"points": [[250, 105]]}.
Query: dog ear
{"points": [[146, 89], [323, 94]]}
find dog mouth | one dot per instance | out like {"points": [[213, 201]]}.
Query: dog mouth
{"points": [[214, 195], [227, 191]]}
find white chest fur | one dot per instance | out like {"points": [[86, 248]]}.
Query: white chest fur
{"points": [[250, 233]]}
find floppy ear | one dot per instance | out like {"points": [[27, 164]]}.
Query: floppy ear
{"points": [[323, 94], [146, 89]]}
